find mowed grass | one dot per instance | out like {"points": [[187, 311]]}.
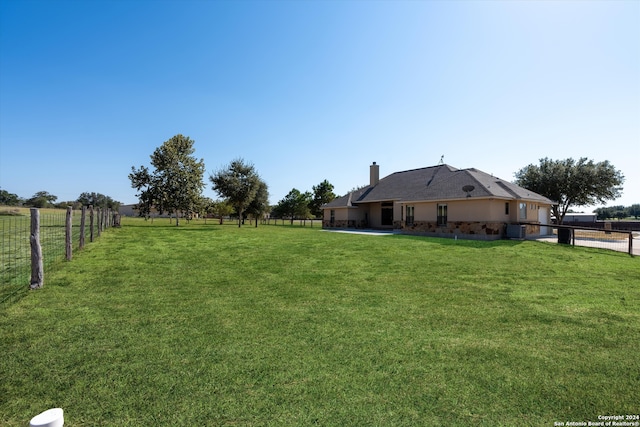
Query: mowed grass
{"points": [[288, 326]]}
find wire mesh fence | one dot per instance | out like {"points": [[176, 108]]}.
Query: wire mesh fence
{"points": [[14, 251], [615, 240], [15, 243]]}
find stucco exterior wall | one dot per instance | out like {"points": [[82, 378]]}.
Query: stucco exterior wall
{"points": [[375, 214], [513, 211], [461, 210], [345, 218], [481, 218], [423, 211]]}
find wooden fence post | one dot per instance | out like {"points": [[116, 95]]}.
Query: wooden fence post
{"points": [[37, 267], [83, 219], [91, 223], [99, 221], [67, 234]]}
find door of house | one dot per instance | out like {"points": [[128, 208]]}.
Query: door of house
{"points": [[387, 214], [543, 219]]}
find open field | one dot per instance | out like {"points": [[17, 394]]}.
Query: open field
{"points": [[216, 325]]}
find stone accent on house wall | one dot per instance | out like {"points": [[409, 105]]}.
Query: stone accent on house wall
{"points": [[532, 229], [491, 230], [465, 229], [352, 223]]}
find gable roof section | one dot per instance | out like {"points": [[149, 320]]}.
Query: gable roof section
{"points": [[406, 184], [349, 199], [442, 182], [500, 188]]}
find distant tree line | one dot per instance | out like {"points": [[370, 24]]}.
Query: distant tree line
{"points": [[44, 199], [174, 184], [618, 212], [299, 205]]}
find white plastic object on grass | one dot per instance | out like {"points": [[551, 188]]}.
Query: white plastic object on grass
{"points": [[49, 418]]}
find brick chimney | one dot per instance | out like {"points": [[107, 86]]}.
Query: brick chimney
{"points": [[374, 174]]}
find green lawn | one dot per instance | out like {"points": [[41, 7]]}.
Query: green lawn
{"points": [[215, 325]]}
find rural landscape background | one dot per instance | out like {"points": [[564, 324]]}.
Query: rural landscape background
{"points": [[313, 90], [282, 323], [290, 325]]}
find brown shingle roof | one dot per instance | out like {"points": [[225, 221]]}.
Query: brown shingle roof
{"points": [[442, 182]]}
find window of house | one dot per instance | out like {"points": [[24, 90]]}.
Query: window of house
{"points": [[333, 217], [523, 211], [409, 215], [506, 208], [442, 215]]}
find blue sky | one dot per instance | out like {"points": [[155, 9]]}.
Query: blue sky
{"points": [[313, 90]]}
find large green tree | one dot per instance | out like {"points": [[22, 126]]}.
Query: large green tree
{"points": [[572, 183], [294, 205], [322, 194], [142, 181], [41, 199], [260, 203], [238, 183], [9, 199], [97, 200], [176, 183], [220, 209]]}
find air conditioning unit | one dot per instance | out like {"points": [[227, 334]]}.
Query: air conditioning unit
{"points": [[516, 231]]}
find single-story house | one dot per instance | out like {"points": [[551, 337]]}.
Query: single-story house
{"points": [[441, 201]]}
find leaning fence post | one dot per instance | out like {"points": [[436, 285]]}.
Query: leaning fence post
{"points": [[83, 219], [91, 223], [37, 268], [67, 234], [99, 221]]}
